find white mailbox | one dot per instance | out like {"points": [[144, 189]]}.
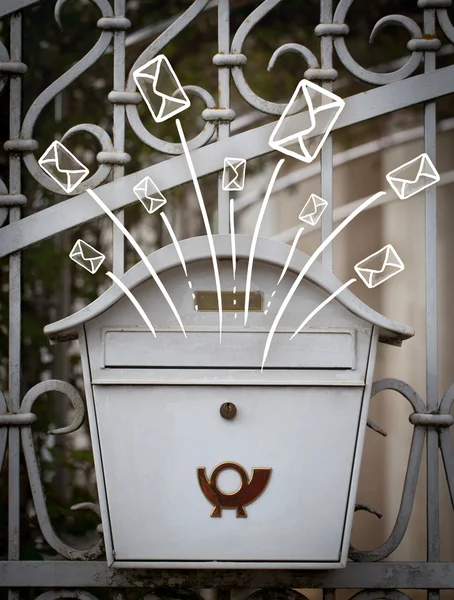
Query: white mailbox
{"points": [[203, 460]]}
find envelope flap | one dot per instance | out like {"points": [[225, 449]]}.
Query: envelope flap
{"points": [[392, 258], [140, 188], [152, 189], [77, 249], [319, 202], [66, 162], [375, 263], [88, 252], [317, 101], [310, 207], [427, 168], [149, 70], [410, 172], [50, 156], [233, 163], [308, 118]]}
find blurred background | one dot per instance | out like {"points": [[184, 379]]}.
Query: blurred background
{"points": [[54, 287]]}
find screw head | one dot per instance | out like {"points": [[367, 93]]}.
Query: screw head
{"points": [[228, 410]]}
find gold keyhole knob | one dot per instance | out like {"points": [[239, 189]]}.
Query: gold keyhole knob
{"points": [[228, 410]]}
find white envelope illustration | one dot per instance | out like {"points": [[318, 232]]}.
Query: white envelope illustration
{"points": [[86, 256], [63, 167], [158, 84], [305, 139], [380, 266], [234, 174], [413, 177], [150, 196], [313, 210]]}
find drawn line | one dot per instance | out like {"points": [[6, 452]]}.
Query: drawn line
{"points": [[255, 236], [322, 305], [287, 262], [133, 299], [173, 237], [232, 236], [206, 221], [142, 255], [290, 254], [308, 265]]}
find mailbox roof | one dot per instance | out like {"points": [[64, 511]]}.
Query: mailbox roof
{"points": [[197, 249]]}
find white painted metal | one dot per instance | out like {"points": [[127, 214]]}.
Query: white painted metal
{"points": [[156, 508], [272, 253], [239, 350], [165, 393]]}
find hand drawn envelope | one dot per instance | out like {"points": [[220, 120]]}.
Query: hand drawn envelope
{"points": [[63, 167], [380, 266], [234, 174], [158, 84], [150, 196], [86, 256], [313, 210], [413, 177], [305, 139]]}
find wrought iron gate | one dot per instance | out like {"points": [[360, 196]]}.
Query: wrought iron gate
{"points": [[432, 418]]}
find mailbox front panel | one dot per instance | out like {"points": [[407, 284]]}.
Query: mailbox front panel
{"points": [[154, 438]]}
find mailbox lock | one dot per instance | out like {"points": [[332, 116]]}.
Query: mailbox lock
{"points": [[228, 410]]}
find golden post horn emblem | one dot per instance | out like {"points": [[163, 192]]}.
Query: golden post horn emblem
{"points": [[248, 492]]}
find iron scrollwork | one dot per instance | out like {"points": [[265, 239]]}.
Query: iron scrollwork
{"points": [[335, 29], [31, 461], [27, 144]]}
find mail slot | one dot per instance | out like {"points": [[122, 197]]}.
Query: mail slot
{"points": [[206, 456]]}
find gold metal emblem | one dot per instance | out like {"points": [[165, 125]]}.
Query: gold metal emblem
{"points": [[248, 492]]}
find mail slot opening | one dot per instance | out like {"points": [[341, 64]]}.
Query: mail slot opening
{"points": [[207, 301]]}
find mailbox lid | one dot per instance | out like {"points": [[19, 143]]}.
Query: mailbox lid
{"points": [[153, 438], [333, 348], [270, 254]]}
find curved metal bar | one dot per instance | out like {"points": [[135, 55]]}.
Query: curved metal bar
{"points": [[31, 461], [379, 594], [4, 57], [3, 210], [148, 54], [106, 144], [404, 389], [364, 74], [57, 594], [55, 385], [3, 431], [411, 476], [88, 506], [276, 594], [172, 594], [368, 508], [445, 24], [446, 447], [265, 106], [168, 147], [56, 88]]}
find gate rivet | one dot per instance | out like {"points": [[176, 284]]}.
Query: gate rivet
{"points": [[228, 410]]}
